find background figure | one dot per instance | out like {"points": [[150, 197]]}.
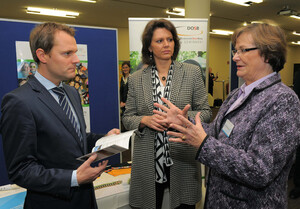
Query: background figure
{"points": [[78, 87], [25, 70], [32, 67], [295, 193], [194, 62], [86, 96], [82, 70], [124, 88], [22, 81], [124, 84], [211, 79], [80, 82], [250, 145], [71, 83], [77, 78], [43, 128], [158, 164], [141, 65]]}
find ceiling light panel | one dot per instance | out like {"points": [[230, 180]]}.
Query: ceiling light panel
{"points": [[51, 12], [296, 33], [297, 43], [244, 2], [176, 11], [295, 16], [221, 32], [89, 1]]}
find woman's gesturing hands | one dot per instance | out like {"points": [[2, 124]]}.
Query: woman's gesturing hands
{"points": [[173, 117], [170, 113], [155, 122], [188, 132]]}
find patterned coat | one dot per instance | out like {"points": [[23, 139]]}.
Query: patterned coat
{"points": [[185, 175], [250, 168]]}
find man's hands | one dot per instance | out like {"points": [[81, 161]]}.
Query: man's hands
{"points": [[113, 131], [122, 104], [88, 174]]}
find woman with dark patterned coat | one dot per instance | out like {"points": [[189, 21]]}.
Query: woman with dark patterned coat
{"points": [[158, 164], [250, 145]]}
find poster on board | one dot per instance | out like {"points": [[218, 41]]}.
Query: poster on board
{"points": [[27, 66], [193, 41]]}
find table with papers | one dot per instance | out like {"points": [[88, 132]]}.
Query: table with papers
{"points": [[111, 192]]}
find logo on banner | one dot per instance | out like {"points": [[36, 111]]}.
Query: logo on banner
{"points": [[193, 28]]}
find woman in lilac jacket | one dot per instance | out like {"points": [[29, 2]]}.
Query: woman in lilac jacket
{"points": [[250, 145]]}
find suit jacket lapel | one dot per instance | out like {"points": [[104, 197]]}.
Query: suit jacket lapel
{"points": [[177, 80], [49, 101], [147, 88]]}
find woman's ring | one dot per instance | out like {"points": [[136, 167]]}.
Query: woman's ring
{"points": [[183, 137]]}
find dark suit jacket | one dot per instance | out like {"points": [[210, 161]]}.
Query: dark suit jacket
{"points": [[41, 147]]}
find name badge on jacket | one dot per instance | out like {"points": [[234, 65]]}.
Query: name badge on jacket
{"points": [[227, 128]]}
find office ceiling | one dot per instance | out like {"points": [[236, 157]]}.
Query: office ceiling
{"points": [[115, 13]]}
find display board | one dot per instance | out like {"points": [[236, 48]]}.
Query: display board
{"points": [[102, 65]]}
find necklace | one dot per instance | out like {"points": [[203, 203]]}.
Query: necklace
{"points": [[163, 78]]}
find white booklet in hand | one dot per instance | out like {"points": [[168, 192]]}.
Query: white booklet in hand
{"points": [[109, 145]]}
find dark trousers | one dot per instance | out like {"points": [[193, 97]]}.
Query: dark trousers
{"points": [[160, 190], [297, 169]]}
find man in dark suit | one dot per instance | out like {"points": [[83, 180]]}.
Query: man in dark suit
{"points": [[44, 132]]}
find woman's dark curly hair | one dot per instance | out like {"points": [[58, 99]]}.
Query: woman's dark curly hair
{"points": [[148, 34]]}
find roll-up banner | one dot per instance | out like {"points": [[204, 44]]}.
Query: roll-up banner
{"points": [[193, 40]]}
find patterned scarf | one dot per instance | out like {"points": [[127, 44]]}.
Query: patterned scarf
{"points": [[162, 148]]}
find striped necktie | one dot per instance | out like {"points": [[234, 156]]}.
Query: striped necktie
{"points": [[63, 102]]}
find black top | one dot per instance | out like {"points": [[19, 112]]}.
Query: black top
{"points": [[211, 83], [297, 83], [123, 91]]}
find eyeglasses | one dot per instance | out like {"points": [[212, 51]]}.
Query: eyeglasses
{"points": [[242, 51]]}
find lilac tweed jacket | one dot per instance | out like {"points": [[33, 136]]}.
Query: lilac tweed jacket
{"points": [[250, 168]]}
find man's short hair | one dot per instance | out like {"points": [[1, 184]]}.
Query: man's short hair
{"points": [[42, 36]]}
